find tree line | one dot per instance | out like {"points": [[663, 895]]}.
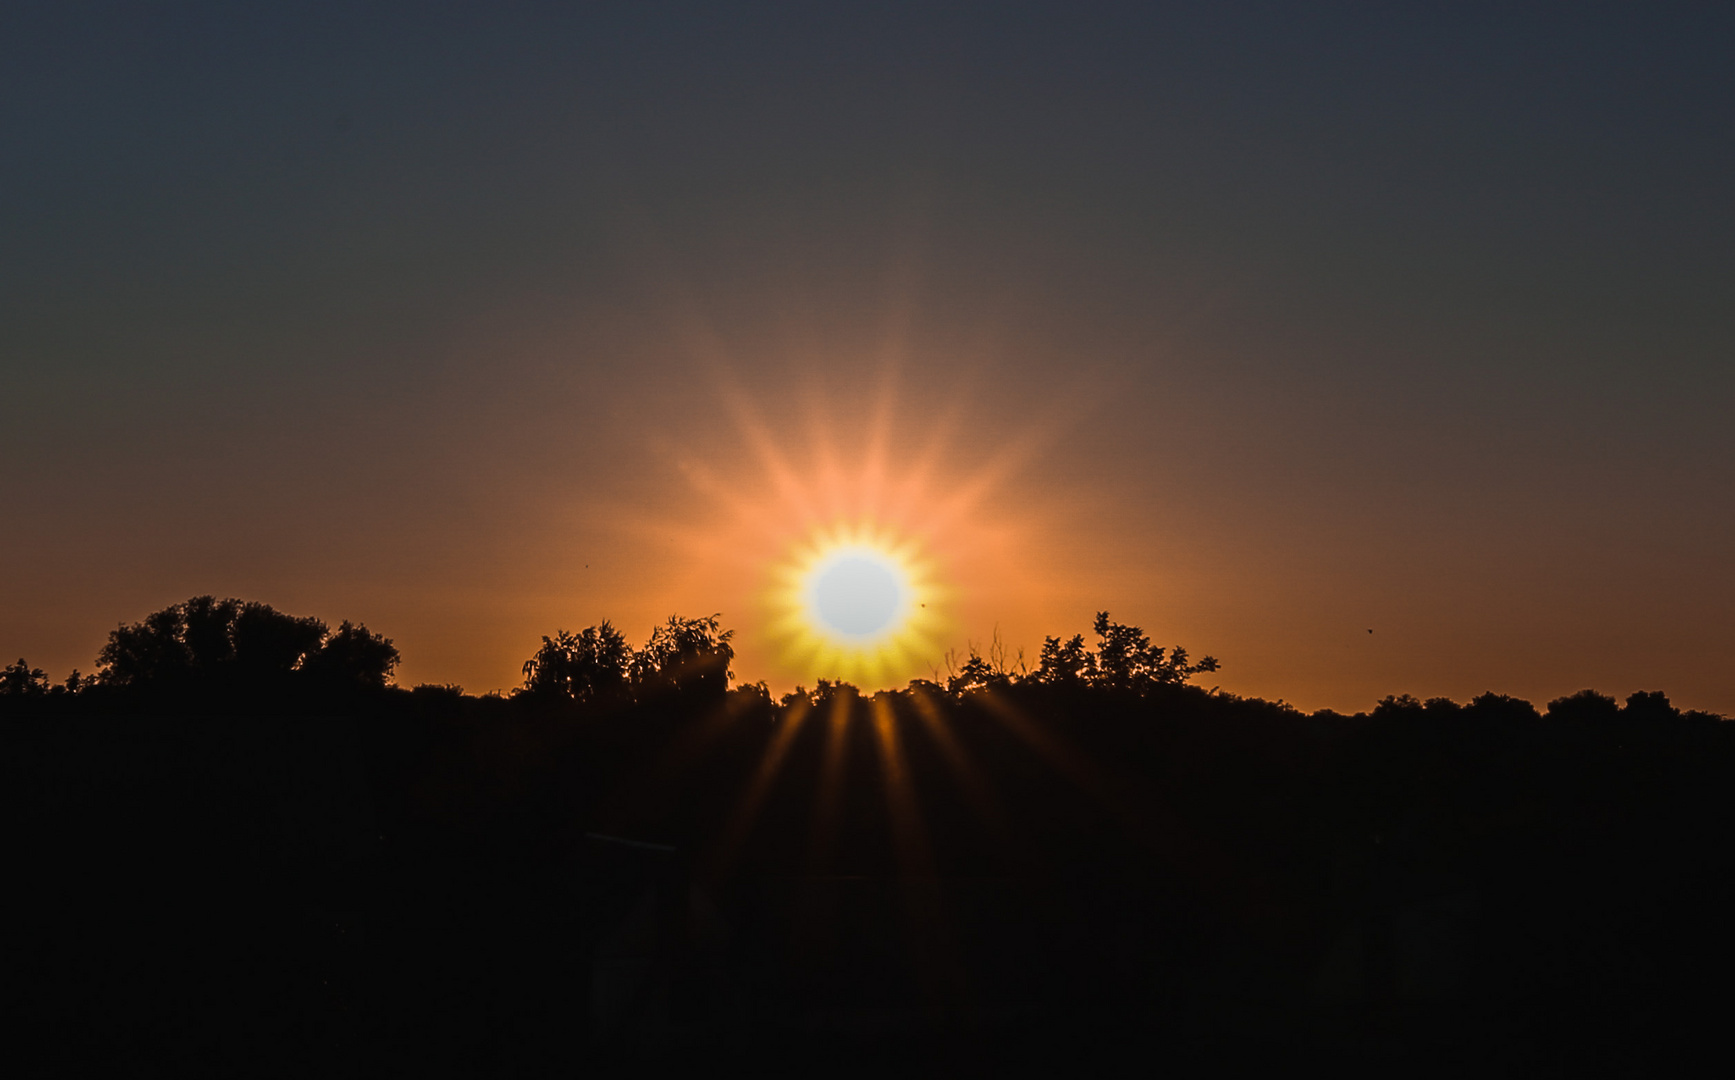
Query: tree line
{"points": [[206, 642], [234, 648]]}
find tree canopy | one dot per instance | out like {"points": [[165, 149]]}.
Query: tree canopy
{"points": [[207, 640], [689, 656]]}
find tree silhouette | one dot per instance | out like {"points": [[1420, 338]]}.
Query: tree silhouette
{"points": [[687, 656], [240, 642], [354, 658], [1126, 659], [1650, 705], [977, 672], [994, 670], [266, 641], [1068, 664], [205, 627], [22, 680], [1586, 705], [150, 651], [590, 665]]}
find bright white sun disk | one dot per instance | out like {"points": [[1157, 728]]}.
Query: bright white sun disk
{"points": [[857, 594]]}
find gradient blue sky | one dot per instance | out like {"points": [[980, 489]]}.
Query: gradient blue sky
{"points": [[1260, 325]]}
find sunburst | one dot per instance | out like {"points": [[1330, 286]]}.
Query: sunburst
{"points": [[857, 529], [857, 601]]}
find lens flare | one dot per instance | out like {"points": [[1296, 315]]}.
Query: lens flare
{"points": [[857, 602]]}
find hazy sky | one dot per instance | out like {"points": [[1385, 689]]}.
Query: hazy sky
{"points": [[1260, 326]]}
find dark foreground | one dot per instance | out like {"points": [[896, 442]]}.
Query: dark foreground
{"points": [[1030, 877]]}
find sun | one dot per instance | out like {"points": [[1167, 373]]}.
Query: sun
{"points": [[859, 528], [855, 601]]}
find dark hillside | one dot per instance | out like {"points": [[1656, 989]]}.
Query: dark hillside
{"points": [[333, 875]]}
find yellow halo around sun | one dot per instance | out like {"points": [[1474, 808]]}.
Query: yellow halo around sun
{"points": [[856, 602]]}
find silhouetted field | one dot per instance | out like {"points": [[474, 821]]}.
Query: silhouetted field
{"points": [[223, 865]]}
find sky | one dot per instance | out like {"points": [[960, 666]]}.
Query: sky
{"points": [[1260, 326]]}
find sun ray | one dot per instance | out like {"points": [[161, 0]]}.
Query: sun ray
{"points": [[828, 793], [971, 782], [939, 970], [741, 819], [871, 480], [927, 461], [1006, 462], [658, 780], [785, 480], [1153, 825], [909, 838]]}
